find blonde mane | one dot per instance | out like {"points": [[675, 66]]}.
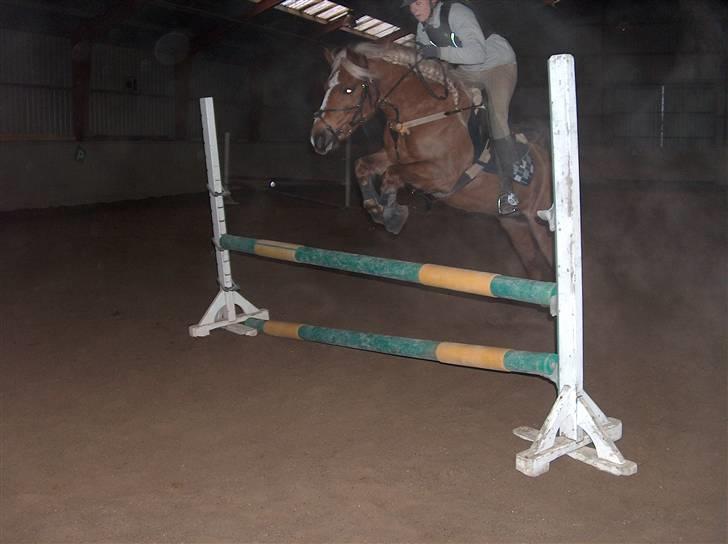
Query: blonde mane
{"points": [[403, 56]]}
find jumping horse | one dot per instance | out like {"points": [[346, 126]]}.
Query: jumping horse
{"points": [[427, 144]]}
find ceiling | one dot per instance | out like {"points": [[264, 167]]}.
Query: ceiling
{"points": [[210, 25], [235, 30]]}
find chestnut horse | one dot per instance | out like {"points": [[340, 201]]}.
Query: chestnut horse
{"points": [[422, 149]]}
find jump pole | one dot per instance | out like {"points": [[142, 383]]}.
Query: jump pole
{"points": [[462, 280], [575, 426]]}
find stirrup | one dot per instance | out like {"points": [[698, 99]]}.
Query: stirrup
{"points": [[507, 203]]}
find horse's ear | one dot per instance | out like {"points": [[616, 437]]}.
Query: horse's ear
{"points": [[329, 54]]}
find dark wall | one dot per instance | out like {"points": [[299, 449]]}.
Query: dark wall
{"points": [[649, 74], [651, 78]]}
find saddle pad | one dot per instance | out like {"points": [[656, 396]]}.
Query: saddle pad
{"points": [[523, 167]]}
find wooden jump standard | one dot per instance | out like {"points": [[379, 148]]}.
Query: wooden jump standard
{"points": [[575, 426]]}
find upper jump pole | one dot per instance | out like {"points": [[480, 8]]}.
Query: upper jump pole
{"points": [[445, 277], [575, 425]]}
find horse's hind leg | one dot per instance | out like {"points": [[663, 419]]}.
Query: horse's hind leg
{"points": [[519, 231]]}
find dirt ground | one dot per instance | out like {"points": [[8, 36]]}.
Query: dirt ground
{"points": [[118, 427]]}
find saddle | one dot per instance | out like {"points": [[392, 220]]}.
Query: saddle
{"points": [[480, 137], [483, 160]]}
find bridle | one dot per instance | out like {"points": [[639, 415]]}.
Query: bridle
{"points": [[357, 119], [381, 101]]}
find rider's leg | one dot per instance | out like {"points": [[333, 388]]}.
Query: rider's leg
{"points": [[500, 82], [505, 153]]}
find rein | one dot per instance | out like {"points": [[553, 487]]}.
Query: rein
{"points": [[404, 128], [396, 127]]}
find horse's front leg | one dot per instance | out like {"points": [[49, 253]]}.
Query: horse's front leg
{"points": [[419, 175], [382, 205], [367, 170], [394, 215]]}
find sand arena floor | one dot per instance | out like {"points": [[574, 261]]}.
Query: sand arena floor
{"points": [[119, 427]]}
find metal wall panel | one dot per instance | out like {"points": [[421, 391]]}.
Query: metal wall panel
{"points": [[285, 125], [228, 118], [225, 82], [669, 115], [230, 86], [34, 59], [35, 110], [122, 69], [113, 114], [132, 94]]}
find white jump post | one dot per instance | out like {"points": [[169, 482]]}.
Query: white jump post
{"points": [[222, 313], [575, 426], [575, 421]]}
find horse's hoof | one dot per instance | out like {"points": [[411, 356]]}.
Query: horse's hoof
{"points": [[375, 210], [395, 217]]}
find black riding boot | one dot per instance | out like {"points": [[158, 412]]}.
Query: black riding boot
{"points": [[505, 153]]}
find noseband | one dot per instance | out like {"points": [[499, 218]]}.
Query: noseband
{"points": [[356, 120]]}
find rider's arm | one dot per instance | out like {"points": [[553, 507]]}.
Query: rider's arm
{"points": [[466, 27], [421, 37]]}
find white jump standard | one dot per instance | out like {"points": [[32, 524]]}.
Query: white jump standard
{"points": [[575, 425]]}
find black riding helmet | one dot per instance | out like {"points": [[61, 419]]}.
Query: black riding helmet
{"points": [[406, 3]]}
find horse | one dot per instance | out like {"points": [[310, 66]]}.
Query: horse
{"points": [[427, 144]]}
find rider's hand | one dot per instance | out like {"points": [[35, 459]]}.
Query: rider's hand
{"points": [[430, 52]]}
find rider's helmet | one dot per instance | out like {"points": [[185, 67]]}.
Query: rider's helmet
{"points": [[406, 3]]}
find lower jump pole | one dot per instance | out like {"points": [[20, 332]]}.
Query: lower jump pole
{"points": [[450, 353], [575, 426]]}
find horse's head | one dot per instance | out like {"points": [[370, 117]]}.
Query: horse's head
{"points": [[349, 100]]}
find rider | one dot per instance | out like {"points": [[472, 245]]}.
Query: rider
{"points": [[449, 30]]}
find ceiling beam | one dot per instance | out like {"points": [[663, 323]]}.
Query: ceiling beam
{"points": [[260, 7], [390, 38], [97, 27], [215, 35], [333, 26]]}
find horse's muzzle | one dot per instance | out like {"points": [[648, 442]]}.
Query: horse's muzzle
{"points": [[323, 139]]}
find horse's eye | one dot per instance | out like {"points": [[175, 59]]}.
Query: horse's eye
{"points": [[348, 90]]}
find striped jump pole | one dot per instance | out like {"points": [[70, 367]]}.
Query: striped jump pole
{"points": [[445, 277], [449, 353], [575, 426]]}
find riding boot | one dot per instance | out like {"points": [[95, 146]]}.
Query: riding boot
{"points": [[505, 152], [483, 125]]}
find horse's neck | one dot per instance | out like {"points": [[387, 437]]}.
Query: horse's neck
{"points": [[412, 97]]}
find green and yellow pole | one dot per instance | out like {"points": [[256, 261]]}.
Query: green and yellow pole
{"points": [[450, 353], [444, 277]]}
